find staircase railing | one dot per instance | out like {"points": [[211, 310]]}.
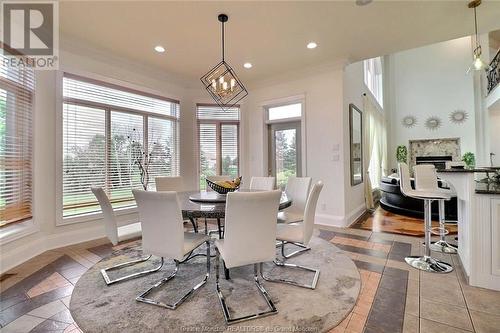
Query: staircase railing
{"points": [[493, 73]]}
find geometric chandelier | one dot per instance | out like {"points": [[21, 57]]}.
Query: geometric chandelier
{"points": [[478, 64], [221, 82]]}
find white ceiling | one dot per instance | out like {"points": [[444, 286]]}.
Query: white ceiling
{"points": [[271, 35]]}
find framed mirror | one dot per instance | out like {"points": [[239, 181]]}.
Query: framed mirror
{"points": [[356, 144]]}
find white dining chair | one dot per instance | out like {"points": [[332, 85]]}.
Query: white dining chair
{"points": [[169, 184], [117, 234], [300, 235], [297, 189], [250, 238], [163, 236], [262, 183]]}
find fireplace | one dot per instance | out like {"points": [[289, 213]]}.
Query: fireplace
{"points": [[438, 161]]}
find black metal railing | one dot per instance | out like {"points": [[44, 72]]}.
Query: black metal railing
{"points": [[493, 73]]}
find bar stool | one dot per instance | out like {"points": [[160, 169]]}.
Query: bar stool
{"points": [[426, 262], [426, 180]]}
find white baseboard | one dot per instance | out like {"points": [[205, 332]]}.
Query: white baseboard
{"points": [[355, 214], [43, 242], [330, 220]]}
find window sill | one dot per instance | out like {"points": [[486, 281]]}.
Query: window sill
{"points": [[13, 232], [95, 216]]}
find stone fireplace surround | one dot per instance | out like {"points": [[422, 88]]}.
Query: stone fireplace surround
{"points": [[434, 147]]}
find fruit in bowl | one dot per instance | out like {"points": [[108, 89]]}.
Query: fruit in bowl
{"points": [[224, 186]]}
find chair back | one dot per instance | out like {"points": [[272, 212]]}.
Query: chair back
{"points": [[310, 212], [262, 183], [216, 179], [404, 179], [297, 189], [108, 215], [250, 227], [169, 184], [425, 177], [161, 221]]}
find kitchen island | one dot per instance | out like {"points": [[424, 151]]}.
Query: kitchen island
{"points": [[478, 226]]}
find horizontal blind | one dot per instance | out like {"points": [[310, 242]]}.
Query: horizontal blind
{"points": [[16, 108], [218, 141], [106, 132]]}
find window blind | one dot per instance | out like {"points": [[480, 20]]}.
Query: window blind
{"points": [[16, 107], [218, 141], [107, 129]]}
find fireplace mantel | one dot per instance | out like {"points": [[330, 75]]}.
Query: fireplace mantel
{"points": [[435, 147]]}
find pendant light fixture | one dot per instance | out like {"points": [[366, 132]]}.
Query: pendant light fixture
{"points": [[221, 81], [477, 63]]}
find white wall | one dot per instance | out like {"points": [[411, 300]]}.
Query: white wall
{"points": [[324, 135], [431, 81], [494, 123], [354, 87]]}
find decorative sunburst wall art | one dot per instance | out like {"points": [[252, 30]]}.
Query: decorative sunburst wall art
{"points": [[409, 121], [459, 117], [433, 123]]}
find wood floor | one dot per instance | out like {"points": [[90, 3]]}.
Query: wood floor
{"points": [[384, 221]]}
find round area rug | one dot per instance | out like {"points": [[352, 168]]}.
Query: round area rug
{"points": [[97, 307]]}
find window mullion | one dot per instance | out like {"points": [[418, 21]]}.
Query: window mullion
{"points": [[145, 142], [107, 153], [218, 136]]}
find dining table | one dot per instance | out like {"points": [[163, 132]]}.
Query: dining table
{"points": [[212, 205]]}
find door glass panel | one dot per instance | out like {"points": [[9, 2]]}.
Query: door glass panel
{"points": [[208, 152], [285, 155]]}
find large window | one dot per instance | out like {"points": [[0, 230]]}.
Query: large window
{"points": [[218, 137], [16, 102], [373, 74], [106, 130]]}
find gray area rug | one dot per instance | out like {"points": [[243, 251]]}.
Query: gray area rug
{"points": [[97, 307]]}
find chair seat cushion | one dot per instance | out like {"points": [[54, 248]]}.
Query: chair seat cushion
{"points": [[290, 217], [129, 231], [290, 233], [232, 261], [193, 240]]}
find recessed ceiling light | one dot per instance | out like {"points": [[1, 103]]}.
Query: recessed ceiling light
{"points": [[159, 49], [363, 2], [247, 65], [312, 45]]}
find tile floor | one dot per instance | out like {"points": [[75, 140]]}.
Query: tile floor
{"points": [[394, 297]]}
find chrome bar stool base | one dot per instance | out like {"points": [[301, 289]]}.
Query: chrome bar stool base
{"points": [[444, 247], [429, 264], [107, 279], [142, 297], [227, 316]]}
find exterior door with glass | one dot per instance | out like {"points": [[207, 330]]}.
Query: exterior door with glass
{"points": [[284, 151]]}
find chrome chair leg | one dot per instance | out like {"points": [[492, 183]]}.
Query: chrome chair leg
{"points": [[282, 263], [288, 281], [288, 256], [107, 279], [442, 245], [426, 262], [227, 316], [143, 297]]}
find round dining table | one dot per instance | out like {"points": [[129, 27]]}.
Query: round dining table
{"points": [[212, 205]]}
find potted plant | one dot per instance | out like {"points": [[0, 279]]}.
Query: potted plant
{"points": [[469, 159], [402, 154]]}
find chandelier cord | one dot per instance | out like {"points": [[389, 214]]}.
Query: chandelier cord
{"points": [[222, 41]]}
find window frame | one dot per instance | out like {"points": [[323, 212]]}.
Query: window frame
{"points": [[21, 92], [375, 82], [107, 109], [218, 137]]}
